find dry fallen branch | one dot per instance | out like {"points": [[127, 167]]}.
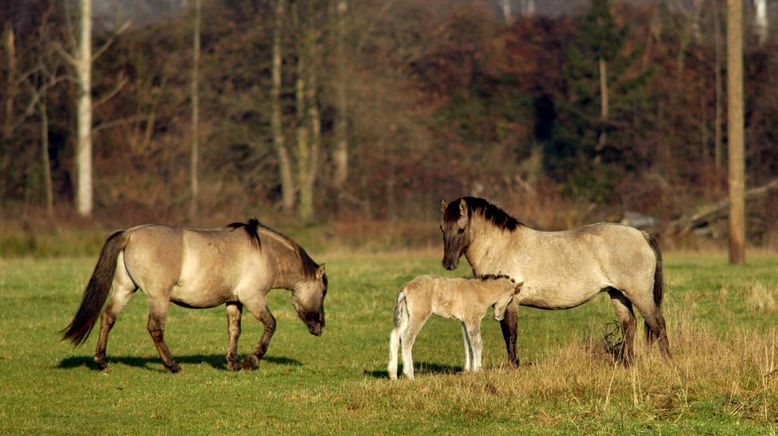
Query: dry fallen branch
{"points": [[683, 225]]}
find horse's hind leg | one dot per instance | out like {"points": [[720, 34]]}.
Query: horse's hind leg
{"points": [[156, 326], [123, 290], [656, 328], [623, 308], [234, 311], [509, 326]]}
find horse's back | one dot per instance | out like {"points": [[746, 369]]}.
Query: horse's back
{"points": [[567, 268]]}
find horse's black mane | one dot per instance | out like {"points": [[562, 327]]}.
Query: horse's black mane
{"points": [[252, 229], [490, 212], [495, 277]]}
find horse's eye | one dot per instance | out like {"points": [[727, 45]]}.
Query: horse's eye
{"points": [[460, 231]]}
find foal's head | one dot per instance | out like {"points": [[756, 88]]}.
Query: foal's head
{"points": [[308, 300], [512, 289]]}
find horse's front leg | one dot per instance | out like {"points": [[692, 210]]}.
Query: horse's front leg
{"points": [[234, 312], [260, 310], [510, 328]]}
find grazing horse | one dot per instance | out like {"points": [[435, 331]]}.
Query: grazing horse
{"points": [[197, 268], [463, 299], [560, 270]]}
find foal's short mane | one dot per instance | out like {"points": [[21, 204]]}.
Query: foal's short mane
{"points": [[252, 227], [487, 210], [495, 277]]}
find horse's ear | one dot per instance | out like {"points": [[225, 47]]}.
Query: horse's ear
{"points": [[443, 205], [320, 272], [463, 209], [517, 288]]}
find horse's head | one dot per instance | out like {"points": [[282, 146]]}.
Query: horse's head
{"points": [[456, 231], [308, 300]]}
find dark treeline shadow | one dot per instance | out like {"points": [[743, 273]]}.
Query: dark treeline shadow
{"points": [[216, 361]]}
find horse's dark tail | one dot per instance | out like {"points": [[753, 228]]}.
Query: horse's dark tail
{"points": [[96, 291], [659, 284]]}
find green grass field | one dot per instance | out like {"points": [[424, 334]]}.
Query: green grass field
{"points": [[723, 331]]}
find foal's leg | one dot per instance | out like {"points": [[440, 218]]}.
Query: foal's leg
{"points": [[474, 333], [407, 339], [156, 326], [258, 307], [509, 326], [623, 308], [468, 349], [234, 311], [123, 290], [394, 344]]}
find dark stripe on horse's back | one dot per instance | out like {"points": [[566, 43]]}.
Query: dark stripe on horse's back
{"points": [[252, 230], [490, 212]]}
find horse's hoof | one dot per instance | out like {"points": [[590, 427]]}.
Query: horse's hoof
{"points": [[100, 362], [251, 362], [174, 368], [234, 365]]}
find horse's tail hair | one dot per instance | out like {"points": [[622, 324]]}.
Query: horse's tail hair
{"points": [[659, 285], [400, 309], [96, 291]]}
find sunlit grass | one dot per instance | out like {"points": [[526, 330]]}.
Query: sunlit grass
{"points": [[723, 377]]}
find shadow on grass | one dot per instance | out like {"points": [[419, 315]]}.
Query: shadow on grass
{"points": [[216, 361], [419, 368]]}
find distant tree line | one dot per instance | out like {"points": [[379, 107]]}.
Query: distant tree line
{"points": [[376, 109]]}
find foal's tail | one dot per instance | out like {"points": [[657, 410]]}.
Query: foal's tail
{"points": [[96, 291], [400, 309]]}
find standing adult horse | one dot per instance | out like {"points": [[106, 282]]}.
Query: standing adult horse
{"points": [[236, 265], [560, 270]]}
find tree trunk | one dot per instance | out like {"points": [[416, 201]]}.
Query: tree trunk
{"points": [[302, 133], [717, 132], [307, 192], [529, 7], [340, 153], [9, 45], [195, 146], [505, 5], [45, 161], [735, 125], [603, 109], [761, 23], [84, 113], [279, 142]]}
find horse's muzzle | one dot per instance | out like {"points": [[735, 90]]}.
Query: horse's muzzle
{"points": [[315, 329], [450, 265]]}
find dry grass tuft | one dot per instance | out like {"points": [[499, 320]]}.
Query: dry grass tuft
{"points": [[761, 298], [732, 375]]}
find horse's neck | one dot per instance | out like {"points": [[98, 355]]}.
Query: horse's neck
{"points": [[489, 247], [284, 259]]}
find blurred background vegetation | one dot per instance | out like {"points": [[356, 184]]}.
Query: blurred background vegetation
{"points": [[350, 120]]}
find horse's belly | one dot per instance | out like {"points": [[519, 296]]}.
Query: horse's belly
{"points": [[200, 298], [554, 299]]}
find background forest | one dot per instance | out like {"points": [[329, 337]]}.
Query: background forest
{"points": [[362, 113]]}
